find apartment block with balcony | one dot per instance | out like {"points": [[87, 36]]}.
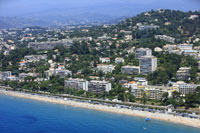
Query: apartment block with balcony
{"points": [[183, 73], [99, 87], [77, 84], [130, 69], [105, 68]]}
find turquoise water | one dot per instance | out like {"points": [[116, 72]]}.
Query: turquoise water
{"points": [[27, 116]]}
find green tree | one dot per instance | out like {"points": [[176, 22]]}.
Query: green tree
{"points": [[144, 98]]}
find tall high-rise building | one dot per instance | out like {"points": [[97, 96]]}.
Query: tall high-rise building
{"points": [[199, 65], [143, 52], [148, 64]]}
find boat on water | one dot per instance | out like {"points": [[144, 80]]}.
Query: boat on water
{"points": [[148, 119]]}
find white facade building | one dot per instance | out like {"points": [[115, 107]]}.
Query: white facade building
{"points": [[105, 60], [105, 68], [78, 84], [185, 46], [119, 60], [58, 72], [166, 38]]}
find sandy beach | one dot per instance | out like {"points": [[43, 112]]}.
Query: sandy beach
{"points": [[145, 114]]}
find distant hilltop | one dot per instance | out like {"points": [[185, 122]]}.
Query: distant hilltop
{"points": [[88, 19]]}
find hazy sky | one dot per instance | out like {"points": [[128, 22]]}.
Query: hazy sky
{"points": [[111, 7]]}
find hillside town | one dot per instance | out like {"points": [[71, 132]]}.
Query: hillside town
{"points": [[131, 61]]}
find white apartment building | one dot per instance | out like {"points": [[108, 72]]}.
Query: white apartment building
{"points": [[78, 84], [105, 68], [119, 60], [166, 38], [105, 60], [185, 46], [94, 86]]}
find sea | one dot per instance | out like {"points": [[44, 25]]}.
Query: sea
{"points": [[18, 115]]}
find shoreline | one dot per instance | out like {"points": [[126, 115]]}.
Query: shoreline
{"points": [[104, 108]]}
